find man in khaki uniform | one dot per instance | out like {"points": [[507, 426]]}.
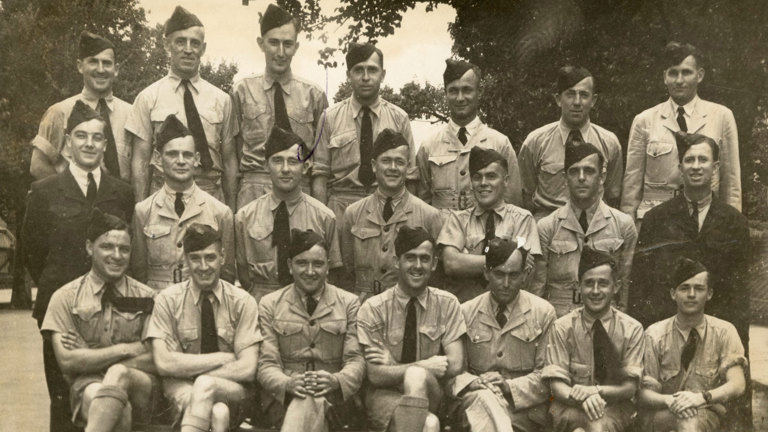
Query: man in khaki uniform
{"points": [[342, 172], [276, 97], [310, 367], [507, 330], [412, 338], [466, 234], [205, 340], [161, 220], [262, 227], [110, 372], [542, 154], [584, 220], [693, 364], [371, 225], [443, 159], [204, 108]]}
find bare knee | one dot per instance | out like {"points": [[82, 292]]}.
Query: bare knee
{"points": [[117, 375], [220, 412], [431, 423], [415, 381], [203, 388]]}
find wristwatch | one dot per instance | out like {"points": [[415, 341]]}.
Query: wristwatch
{"points": [[707, 397], [599, 390]]}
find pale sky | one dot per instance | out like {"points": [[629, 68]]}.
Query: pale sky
{"points": [[416, 52]]}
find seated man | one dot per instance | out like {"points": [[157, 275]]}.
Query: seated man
{"points": [[111, 372], [693, 362], [205, 339], [507, 329], [594, 355], [310, 366], [411, 335]]}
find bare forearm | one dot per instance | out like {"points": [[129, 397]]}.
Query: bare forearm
{"points": [[230, 179], [386, 375], [238, 371], [619, 392], [140, 170], [650, 399], [84, 360], [463, 264], [142, 362], [182, 365], [561, 392]]}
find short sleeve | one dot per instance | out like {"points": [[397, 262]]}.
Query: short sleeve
{"points": [[651, 367], [557, 358], [58, 318], [369, 326], [139, 122], [632, 360], [455, 325], [732, 352], [161, 324], [247, 332], [452, 234], [50, 134]]}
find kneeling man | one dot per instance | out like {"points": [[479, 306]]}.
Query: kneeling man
{"points": [[205, 339]]}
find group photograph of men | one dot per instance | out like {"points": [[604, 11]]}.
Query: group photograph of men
{"points": [[262, 259]]}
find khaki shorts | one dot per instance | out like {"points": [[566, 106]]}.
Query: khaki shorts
{"points": [[179, 391], [78, 386]]}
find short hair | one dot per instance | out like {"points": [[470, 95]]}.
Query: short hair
{"points": [[361, 52], [676, 52], [690, 140]]}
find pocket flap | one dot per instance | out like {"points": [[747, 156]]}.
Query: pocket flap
{"points": [[432, 331], [160, 114], [300, 115], [287, 328], [526, 333], [342, 140], [479, 334], [580, 370], [335, 327], [188, 334], [211, 115], [251, 110], [365, 233], [443, 159], [561, 247], [156, 231], [260, 232], [659, 148], [609, 245]]}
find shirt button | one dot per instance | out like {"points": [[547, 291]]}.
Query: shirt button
{"points": [[311, 322], [312, 345], [500, 354], [384, 249], [383, 271], [463, 172], [179, 244], [386, 229]]}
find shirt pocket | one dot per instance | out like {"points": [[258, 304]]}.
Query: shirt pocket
{"points": [[188, 338], [563, 262], [127, 326], [443, 170], [302, 123], [226, 335], [211, 119], [88, 324], [524, 340], [580, 373], [254, 124], [431, 337], [480, 348], [261, 239], [366, 247], [290, 338], [161, 248], [343, 151], [331, 340], [552, 178], [661, 162], [608, 245]]}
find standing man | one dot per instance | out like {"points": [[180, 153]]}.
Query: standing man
{"points": [[652, 176], [263, 226], [111, 371], [594, 355], [342, 173], [202, 107], [54, 230], [97, 63], [693, 362], [371, 225], [311, 366], [543, 152], [466, 234], [507, 330], [275, 98], [412, 339], [443, 160], [205, 340], [584, 221], [162, 218]]}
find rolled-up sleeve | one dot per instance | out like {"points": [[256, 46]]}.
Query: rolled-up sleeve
{"points": [[557, 358], [50, 134], [651, 367], [247, 332], [452, 234], [632, 364], [161, 324]]}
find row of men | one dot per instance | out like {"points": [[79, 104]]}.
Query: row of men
{"points": [[489, 364]]}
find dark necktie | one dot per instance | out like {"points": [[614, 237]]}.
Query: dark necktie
{"points": [[583, 221], [365, 174], [689, 350], [574, 137], [109, 294], [695, 214], [311, 305], [91, 191], [195, 126], [388, 210], [178, 205], [110, 154], [463, 135], [281, 238], [681, 119], [602, 350], [490, 230], [501, 317], [410, 335], [281, 114], [209, 342]]}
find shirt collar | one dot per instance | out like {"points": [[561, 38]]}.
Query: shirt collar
{"points": [[701, 328], [605, 319], [498, 208], [357, 106], [303, 297], [196, 293], [81, 175], [507, 310], [404, 298], [97, 283], [177, 79], [565, 130], [93, 100], [285, 81], [290, 204], [471, 126], [689, 108], [702, 203], [591, 210], [186, 195], [395, 199]]}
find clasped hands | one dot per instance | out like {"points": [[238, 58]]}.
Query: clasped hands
{"points": [[590, 399]]}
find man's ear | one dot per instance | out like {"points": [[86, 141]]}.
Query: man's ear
{"points": [[89, 248]]}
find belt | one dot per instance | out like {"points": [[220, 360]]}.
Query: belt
{"points": [[454, 201], [257, 177], [312, 364]]}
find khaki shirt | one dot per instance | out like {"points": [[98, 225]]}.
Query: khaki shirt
{"points": [[381, 321], [76, 307], [295, 342], [254, 224], [719, 348], [443, 162], [254, 102], [176, 318], [562, 241], [158, 233], [570, 353], [542, 159], [653, 175], [515, 351], [50, 134], [368, 243], [166, 96], [337, 155]]}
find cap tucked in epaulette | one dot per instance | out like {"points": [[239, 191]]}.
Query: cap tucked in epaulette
{"points": [[274, 17], [199, 236], [499, 251], [455, 69], [685, 268], [480, 158], [171, 128], [81, 113], [576, 152], [280, 139], [387, 140], [181, 19], [92, 44], [359, 53], [304, 240], [410, 238], [591, 258], [569, 76]]}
